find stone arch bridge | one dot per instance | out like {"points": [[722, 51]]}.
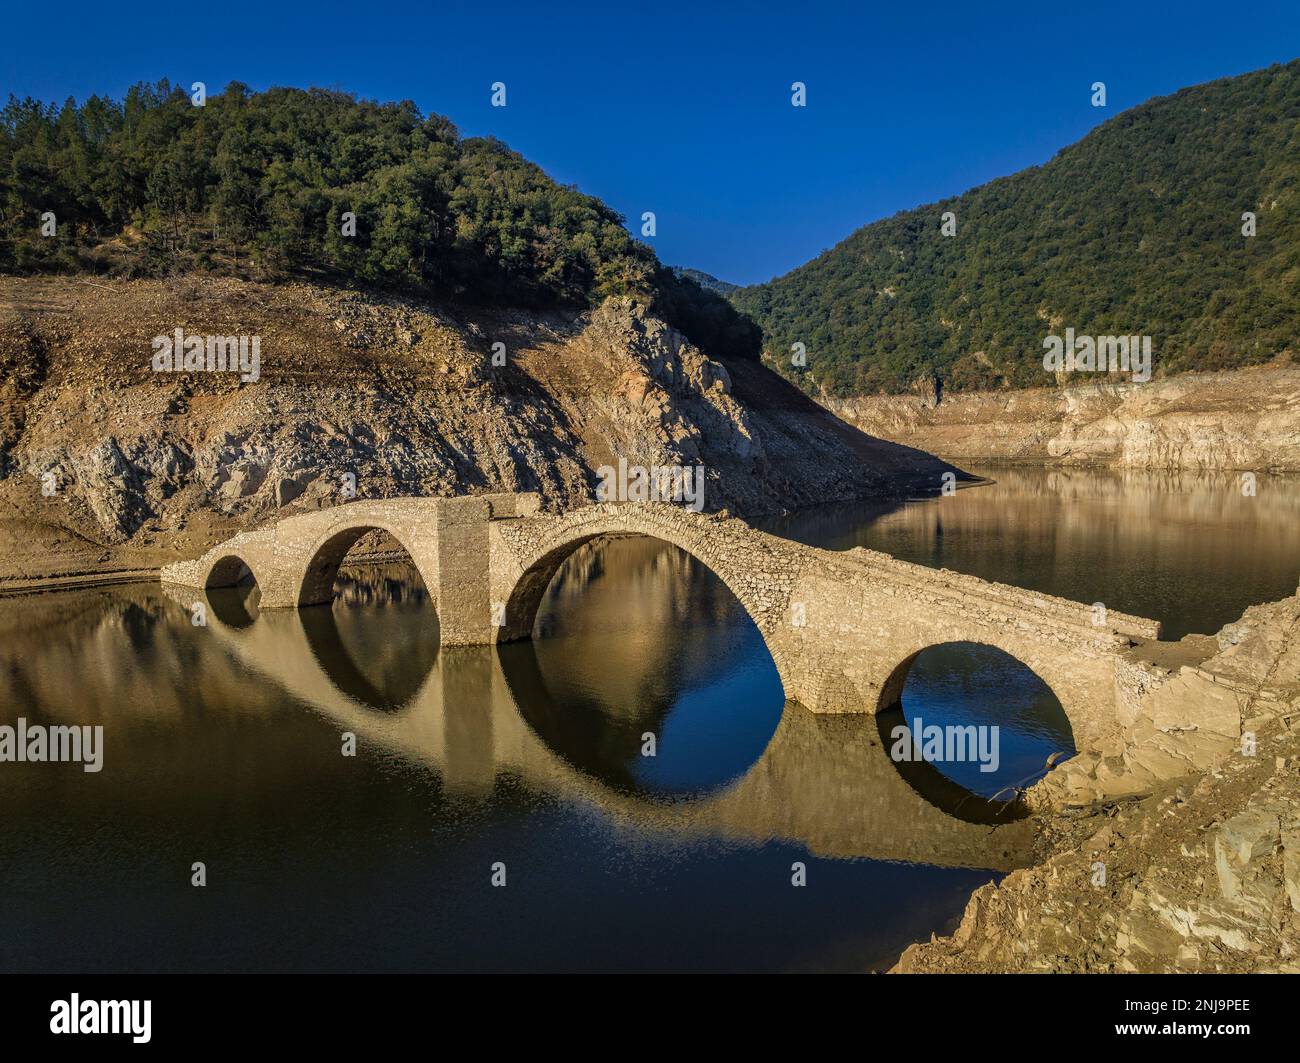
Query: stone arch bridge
{"points": [[842, 627]]}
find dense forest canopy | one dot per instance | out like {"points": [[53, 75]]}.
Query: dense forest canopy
{"points": [[263, 182], [1136, 229]]}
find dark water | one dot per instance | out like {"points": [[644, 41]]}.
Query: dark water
{"points": [[224, 744]]}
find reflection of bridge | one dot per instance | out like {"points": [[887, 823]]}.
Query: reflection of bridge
{"points": [[842, 628], [825, 782]]}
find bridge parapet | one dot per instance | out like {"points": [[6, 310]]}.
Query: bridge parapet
{"points": [[520, 504], [1098, 622]]}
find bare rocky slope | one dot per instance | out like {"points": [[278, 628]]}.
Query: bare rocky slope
{"points": [[1246, 419], [139, 467]]}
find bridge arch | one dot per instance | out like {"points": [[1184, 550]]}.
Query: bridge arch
{"points": [[1054, 683], [230, 586], [325, 557], [891, 690], [518, 598], [230, 570]]}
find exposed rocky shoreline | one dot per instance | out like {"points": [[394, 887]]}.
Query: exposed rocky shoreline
{"points": [[400, 397], [1177, 850], [1246, 419]]}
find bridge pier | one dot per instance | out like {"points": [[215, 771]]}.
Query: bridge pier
{"points": [[464, 609]]}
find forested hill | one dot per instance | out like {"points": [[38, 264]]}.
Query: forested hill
{"points": [[1134, 230], [264, 184], [706, 280]]}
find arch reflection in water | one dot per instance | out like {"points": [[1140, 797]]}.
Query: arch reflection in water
{"points": [[376, 636], [233, 593], [824, 783], [970, 685], [234, 734], [638, 647], [378, 640]]}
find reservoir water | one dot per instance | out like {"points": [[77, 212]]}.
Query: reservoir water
{"points": [[500, 811]]}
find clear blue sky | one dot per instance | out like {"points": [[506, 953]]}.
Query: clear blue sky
{"points": [[684, 108]]}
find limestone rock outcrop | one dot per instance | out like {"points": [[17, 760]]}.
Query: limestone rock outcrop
{"points": [[388, 396], [1244, 420]]}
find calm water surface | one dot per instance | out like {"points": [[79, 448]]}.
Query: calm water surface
{"points": [[224, 744]]}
